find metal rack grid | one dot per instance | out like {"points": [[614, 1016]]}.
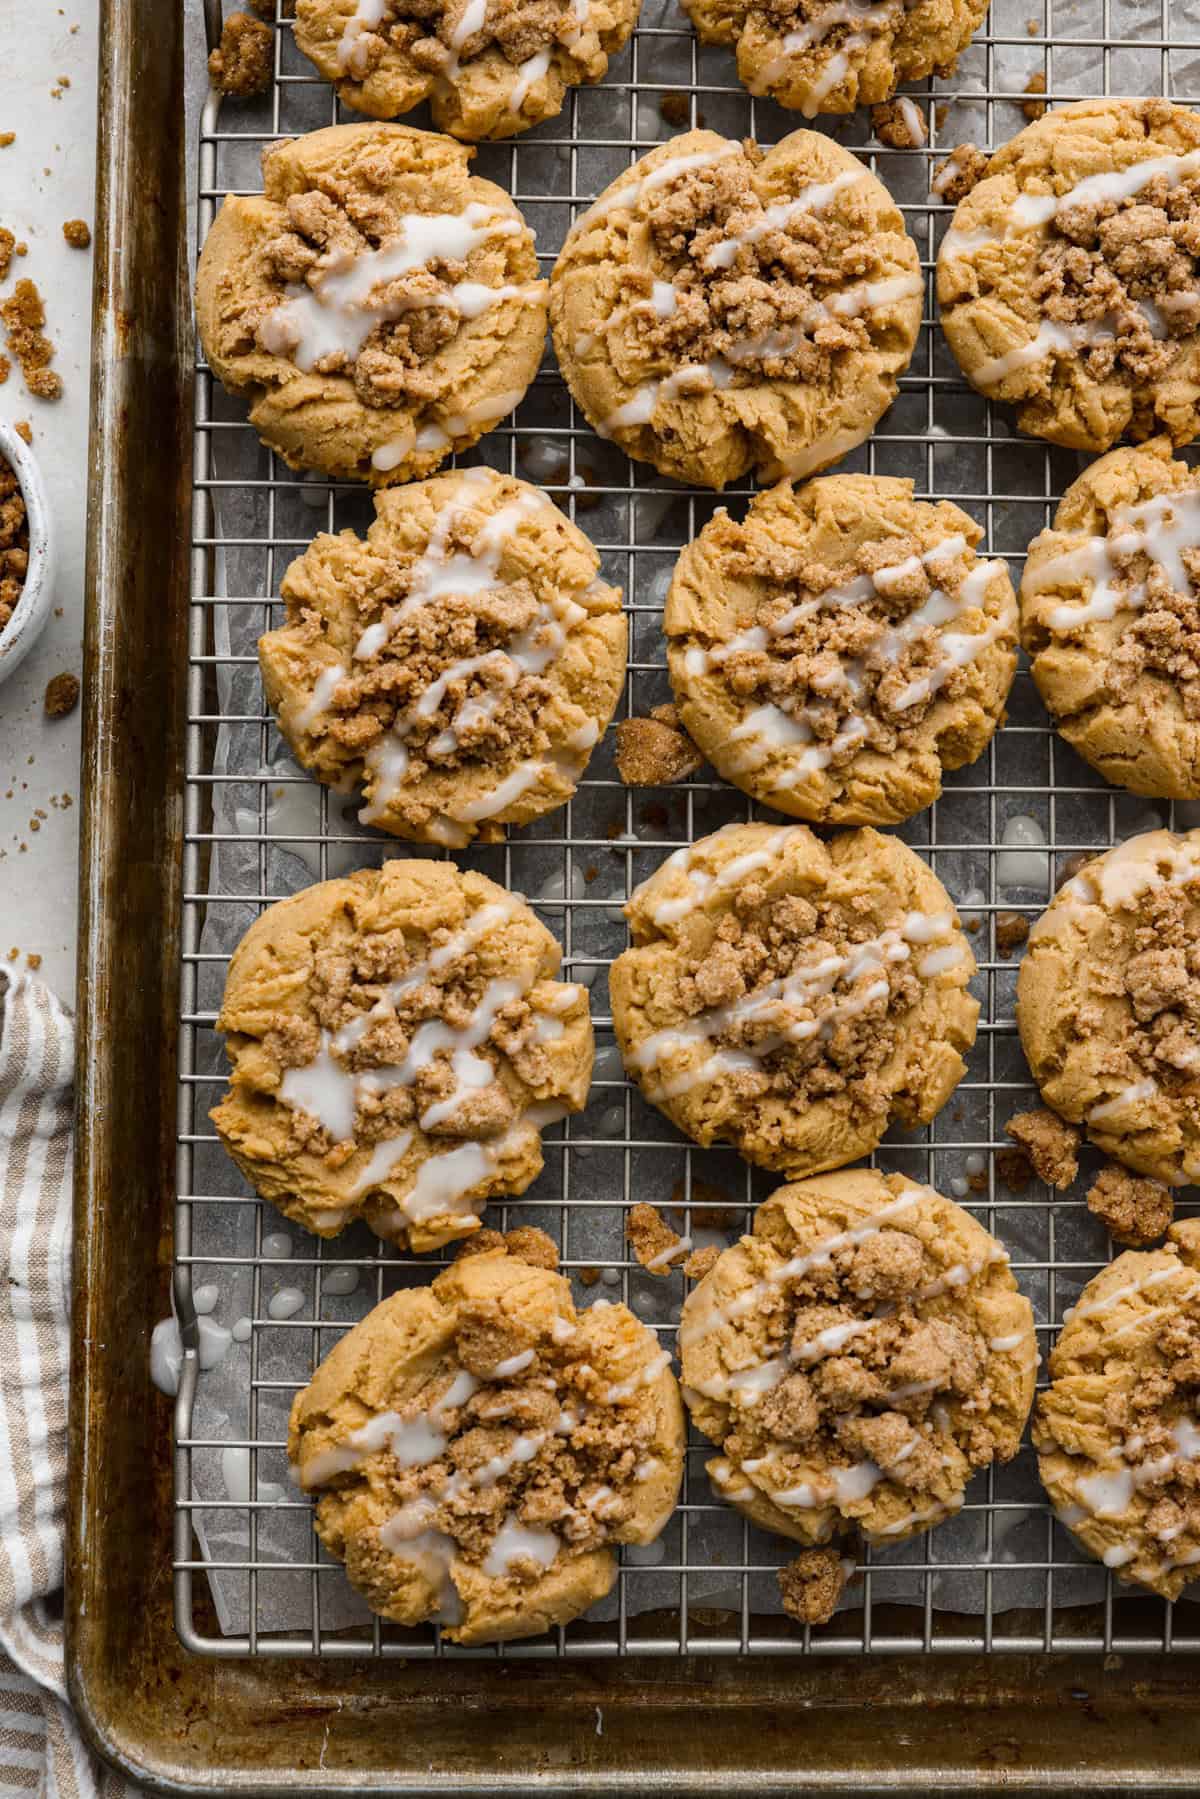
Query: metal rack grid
{"points": [[936, 1597]]}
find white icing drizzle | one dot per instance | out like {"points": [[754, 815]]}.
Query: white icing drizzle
{"points": [[350, 51], [869, 18], [437, 436], [779, 215], [670, 1254], [336, 311], [628, 196], [531, 70], [1050, 338], [1115, 1110], [700, 882], [805, 984], [517, 1542], [1164, 526]]}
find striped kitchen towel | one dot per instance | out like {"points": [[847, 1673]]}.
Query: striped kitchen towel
{"points": [[40, 1748]]}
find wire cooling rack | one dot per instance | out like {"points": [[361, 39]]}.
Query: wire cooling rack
{"points": [[250, 1576]]}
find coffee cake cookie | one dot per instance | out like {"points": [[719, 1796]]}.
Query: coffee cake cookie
{"points": [[487, 68], [1068, 282], [1118, 1429], [721, 307], [478, 1449], [398, 1040], [1109, 618], [1108, 1003], [378, 305], [833, 55], [857, 1359], [792, 997], [460, 661], [835, 653]]}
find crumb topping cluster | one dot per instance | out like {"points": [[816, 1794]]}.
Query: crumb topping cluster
{"points": [[871, 1379], [14, 541], [1160, 979], [759, 987], [430, 33], [746, 284], [520, 1448], [364, 1011], [1131, 267], [825, 662]]}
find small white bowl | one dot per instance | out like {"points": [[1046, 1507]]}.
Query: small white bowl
{"points": [[33, 608]]}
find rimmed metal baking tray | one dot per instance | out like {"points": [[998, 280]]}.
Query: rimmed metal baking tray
{"points": [[659, 1715]]}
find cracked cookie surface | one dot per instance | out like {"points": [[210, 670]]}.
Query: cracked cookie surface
{"points": [[489, 68], [378, 304], [830, 56], [1068, 281], [841, 648], [793, 997], [1110, 616], [857, 1359], [1108, 1003], [460, 661], [721, 308], [398, 1040], [1118, 1429], [478, 1448]]}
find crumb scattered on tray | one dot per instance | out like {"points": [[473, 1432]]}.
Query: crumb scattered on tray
{"points": [[1132, 1208], [1014, 1169], [24, 429], [77, 233], [811, 1586], [1050, 1143], [531, 1245], [656, 1246], [1033, 26], [1012, 930], [978, 1182], [7, 138], [655, 751], [62, 695], [899, 123], [24, 316], [953, 181], [14, 541], [33, 960], [676, 109], [1035, 109], [242, 62], [8, 246], [700, 1261], [589, 1276], [710, 1206]]}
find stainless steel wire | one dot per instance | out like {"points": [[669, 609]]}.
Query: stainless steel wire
{"points": [[1006, 1576]]}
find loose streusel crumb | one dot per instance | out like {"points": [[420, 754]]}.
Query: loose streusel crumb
{"points": [[1012, 930], [24, 429], [24, 315], [1033, 26], [1014, 1169], [700, 1261], [77, 233], [651, 753], [1132, 1208], [676, 109], [710, 1207], [811, 1586], [657, 1247], [588, 1277], [62, 695], [484, 1242], [33, 960], [1035, 109], [8, 244], [963, 169], [14, 541], [899, 123], [7, 138], [1050, 1144], [242, 62], [531, 1245]]}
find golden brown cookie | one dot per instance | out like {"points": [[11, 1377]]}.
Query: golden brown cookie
{"points": [[488, 70], [721, 307], [793, 997], [1117, 1431], [377, 304], [460, 662], [857, 1359], [1068, 280], [833, 55], [479, 1448], [1108, 1003], [398, 1041], [841, 648], [1109, 616]]}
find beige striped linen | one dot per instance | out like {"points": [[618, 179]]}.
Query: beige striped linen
{"points": [[40, 1748]]}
